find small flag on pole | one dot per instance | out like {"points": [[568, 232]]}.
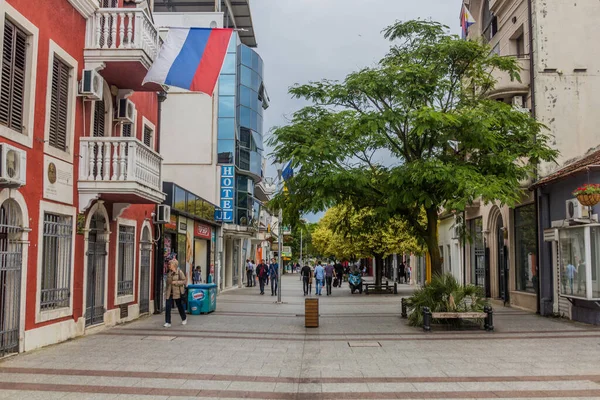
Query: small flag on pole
{"points": [[191, 58], [466, 20], [288, 171]]}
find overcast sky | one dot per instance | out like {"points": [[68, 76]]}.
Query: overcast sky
{"points": [[304, 40]]}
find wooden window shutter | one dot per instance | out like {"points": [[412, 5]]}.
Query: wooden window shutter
{"points": [[59, 106], [12, 90], [147, 136], [127, 130], [99, 114]]}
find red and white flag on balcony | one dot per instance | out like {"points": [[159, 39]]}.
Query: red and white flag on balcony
{"points": [[191, 58]]}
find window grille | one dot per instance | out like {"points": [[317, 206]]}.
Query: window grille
{"points": [[126, 260], [56, 262]]}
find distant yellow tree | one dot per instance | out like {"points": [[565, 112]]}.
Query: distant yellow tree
{"points": [[347, 233]]}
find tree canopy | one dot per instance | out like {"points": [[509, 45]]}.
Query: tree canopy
{"points": [[413, 134]]}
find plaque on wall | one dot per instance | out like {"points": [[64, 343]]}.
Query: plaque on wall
{"points": [[58, 180]]}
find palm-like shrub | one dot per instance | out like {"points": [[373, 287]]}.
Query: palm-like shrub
{"points": [[444, 294]]}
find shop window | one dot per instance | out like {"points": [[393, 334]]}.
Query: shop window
{"points": [[56, 262], [595, 252], [126, 260], [573, 262], [525, 248]]}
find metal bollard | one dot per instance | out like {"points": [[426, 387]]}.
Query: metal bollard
{"points": [[489, 319], [396, 288], [404, 313], [426, 319], [485, 321]]}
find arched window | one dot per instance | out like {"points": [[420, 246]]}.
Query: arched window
{"points": [[489, 21]]}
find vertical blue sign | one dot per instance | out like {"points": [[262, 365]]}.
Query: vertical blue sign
{"points": [[227, 192]]}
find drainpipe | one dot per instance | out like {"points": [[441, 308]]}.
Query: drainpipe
{"points": [[536, 193], [159, 253]]}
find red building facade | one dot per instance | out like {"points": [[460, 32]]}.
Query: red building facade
{"points": [[80, 172]]}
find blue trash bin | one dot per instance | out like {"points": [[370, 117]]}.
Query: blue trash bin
{"points": [[202, 298]]}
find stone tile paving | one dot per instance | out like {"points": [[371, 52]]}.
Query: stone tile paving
{"points": [[254, 348]]}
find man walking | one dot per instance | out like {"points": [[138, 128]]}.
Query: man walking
{"points": [[402, 272], [306, 275], [248, 273], [273, 276], [328, 277], [262, 271], [339, 273], [319, 276]]}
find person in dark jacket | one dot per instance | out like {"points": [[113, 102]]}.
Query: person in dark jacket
{"points": [[262, 271], [402, 273]]}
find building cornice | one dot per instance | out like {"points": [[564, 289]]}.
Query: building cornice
{"points": [[86, 8]]}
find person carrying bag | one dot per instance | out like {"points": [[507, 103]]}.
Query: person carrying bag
{"points": [[175, 293]]}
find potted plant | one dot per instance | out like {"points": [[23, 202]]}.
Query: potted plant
{"points": [[588, 194]]}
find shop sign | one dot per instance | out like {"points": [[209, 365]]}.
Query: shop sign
{"points": [[172, 225], [202, 231], [182, 225], [227, 191]]}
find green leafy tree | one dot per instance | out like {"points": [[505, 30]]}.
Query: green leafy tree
{"points": [[415, 133]]}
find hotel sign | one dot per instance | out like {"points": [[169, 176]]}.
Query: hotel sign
{"points": [[227, 194]]}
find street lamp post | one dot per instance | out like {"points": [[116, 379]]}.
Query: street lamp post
{"points": [[280, 247]]}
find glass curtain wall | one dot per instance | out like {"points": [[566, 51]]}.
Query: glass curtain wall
{"points": [[227, 106]]}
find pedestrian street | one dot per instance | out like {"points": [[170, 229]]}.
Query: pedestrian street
{"points": [[252, 347]]}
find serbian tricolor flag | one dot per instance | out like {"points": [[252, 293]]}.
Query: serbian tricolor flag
{"points": [[191, 58], [466, 20]]}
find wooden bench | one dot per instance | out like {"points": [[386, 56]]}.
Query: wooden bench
{"points": [[372, 288], [486, 315]]}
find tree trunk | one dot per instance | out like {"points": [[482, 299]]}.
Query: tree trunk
{"points": [[378, 269], [432, 241]]}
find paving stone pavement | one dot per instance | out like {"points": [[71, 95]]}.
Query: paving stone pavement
{"points": [[252, 347]]}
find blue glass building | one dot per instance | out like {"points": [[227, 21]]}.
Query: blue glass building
{"points": [[242, 99]]}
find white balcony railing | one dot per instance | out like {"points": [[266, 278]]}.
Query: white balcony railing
{"points": [[119, 159], [123, 28]]}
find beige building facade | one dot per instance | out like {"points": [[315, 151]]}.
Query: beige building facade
{"points": [[552, 41]]}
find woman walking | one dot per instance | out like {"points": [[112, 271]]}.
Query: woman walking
{"points": [[176, 281]]}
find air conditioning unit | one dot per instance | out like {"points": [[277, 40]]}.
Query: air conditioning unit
{"points": [[518, 102], [13, 166], [574, 210], [126, 111], [91, 85], [163, 214]]}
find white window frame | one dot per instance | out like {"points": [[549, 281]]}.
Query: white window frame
{"points": [[147, 123], [26, 137], [130, 298], [56, 51], [54, 208]]}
